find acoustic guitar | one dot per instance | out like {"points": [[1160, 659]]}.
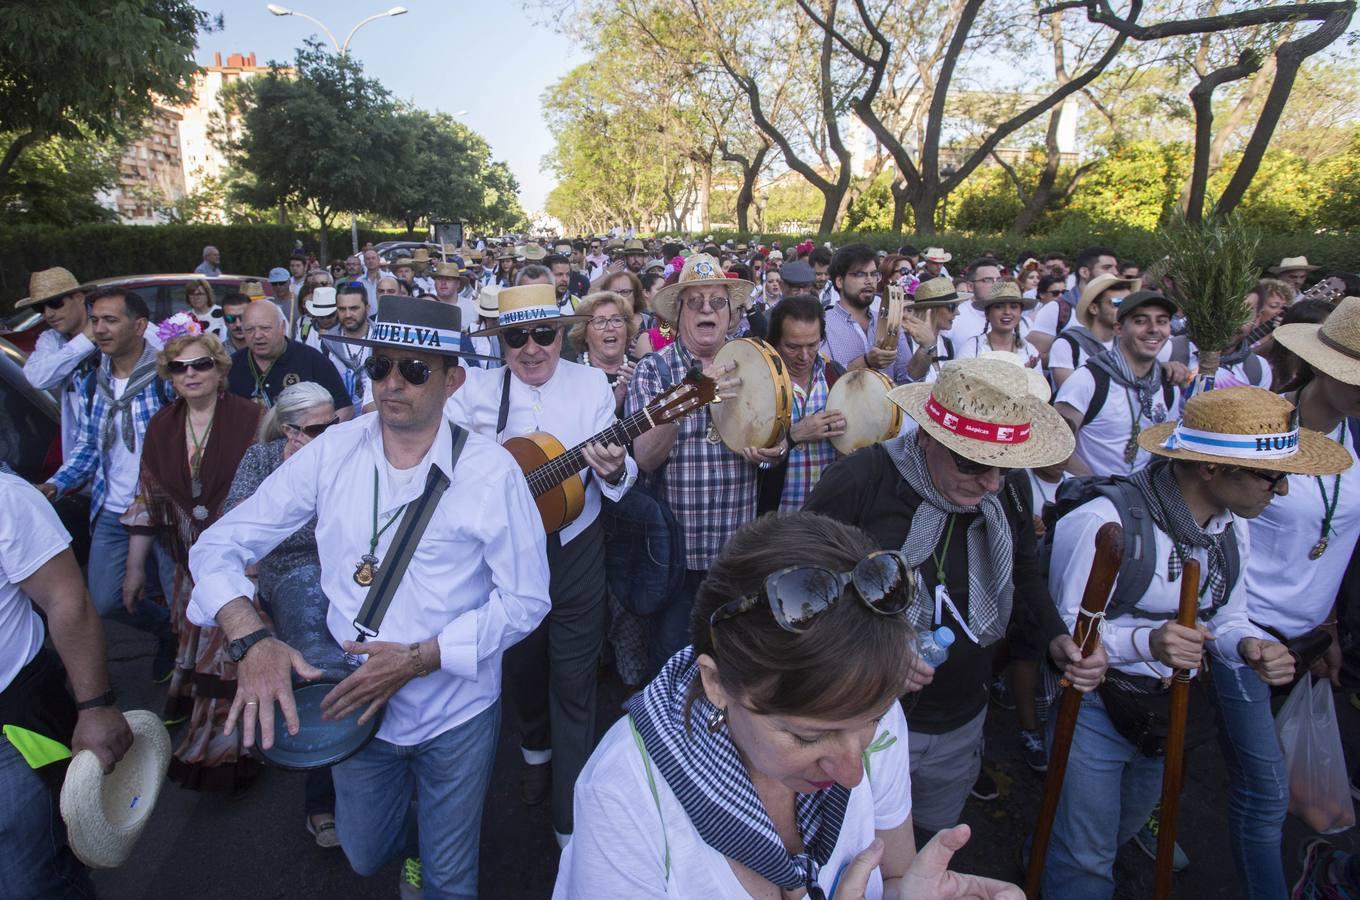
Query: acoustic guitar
{"points": [[552, 470]]}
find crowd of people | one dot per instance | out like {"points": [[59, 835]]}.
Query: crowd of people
{"points": [[446, 480]]}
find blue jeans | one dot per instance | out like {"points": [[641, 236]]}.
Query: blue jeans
{"points": [[34, 858], [1259, 795], [1108, 794], [449, 775], [108, 564]]}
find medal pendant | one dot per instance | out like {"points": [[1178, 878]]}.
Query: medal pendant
{"points": [[201, 513], [713, 437], [196, 488], [1318, 549], [364, 572]]}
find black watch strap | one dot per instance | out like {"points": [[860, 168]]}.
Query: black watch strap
{"points": [[237, 648], [108, 698]]}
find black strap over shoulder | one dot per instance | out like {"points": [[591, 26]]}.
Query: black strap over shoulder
{"points": [[1102, 390], [413, 524], [504, 415]]}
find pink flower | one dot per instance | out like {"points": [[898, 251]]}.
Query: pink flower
{"points": [[181, 324]]}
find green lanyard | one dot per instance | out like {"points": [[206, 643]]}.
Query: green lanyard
{"points": [[944, 551], [379, 532], [1328, 506]]}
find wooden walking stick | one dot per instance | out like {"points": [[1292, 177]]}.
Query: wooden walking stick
{"points": [[1104, 568], [1173, 772]]}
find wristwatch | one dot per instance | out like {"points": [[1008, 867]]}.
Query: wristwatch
{"points": [[108, 698], [237, 648]]}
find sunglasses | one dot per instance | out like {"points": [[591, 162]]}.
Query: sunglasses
{"points": [[1271, 478], [518, 337], [56, 302], [413, 370], [967, 467], [799, 594], [311, 431], [230, 319], [699, 304], [180, 366], [1056, 292]]}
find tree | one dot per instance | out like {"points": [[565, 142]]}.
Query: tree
{"points": [[56, 181], [326, 139], [442, 161], [75, 69]]}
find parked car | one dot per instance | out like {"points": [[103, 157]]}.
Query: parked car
{"points": [[389, 251]]}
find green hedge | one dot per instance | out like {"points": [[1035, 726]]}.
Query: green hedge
{"points": [[101, 251]]}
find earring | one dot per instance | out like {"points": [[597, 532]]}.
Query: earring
{"points": [[716, 720]]}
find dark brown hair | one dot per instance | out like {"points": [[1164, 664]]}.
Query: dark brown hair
{"points": [[850, 661]]}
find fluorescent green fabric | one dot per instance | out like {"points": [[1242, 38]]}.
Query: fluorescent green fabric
{"points": [[37, 750]]}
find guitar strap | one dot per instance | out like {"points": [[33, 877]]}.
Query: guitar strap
{"points": [[504, 415]]}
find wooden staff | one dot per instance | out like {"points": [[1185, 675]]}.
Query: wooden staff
{"points": [[1173, 773], [1104, 568]]}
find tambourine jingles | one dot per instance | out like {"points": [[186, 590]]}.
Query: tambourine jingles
{"points": [[861, 395], [760, 414], [890, 318]]}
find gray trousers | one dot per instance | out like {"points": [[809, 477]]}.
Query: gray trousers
{"points": [[550, 676], [943, 770]]}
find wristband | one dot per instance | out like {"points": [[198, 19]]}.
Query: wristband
{"points": [[418, 661], [108, 698]]}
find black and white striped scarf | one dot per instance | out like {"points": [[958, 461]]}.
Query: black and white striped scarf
{"points": [[703, 770], [1163, 497]]}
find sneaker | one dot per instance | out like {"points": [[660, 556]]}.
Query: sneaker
{"points": [[1313, 882], [1000, 692], [1033, 749], [409, 886], [323, 832], [1146, 839], [163, 663], [534, 783], [985, 787]]}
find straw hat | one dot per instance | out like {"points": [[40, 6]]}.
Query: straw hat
{"points": [[488, 301], [1094, 288], [48, 284], [534, 253], [321, 302], [1332, 347], [702, 269], [1247, 427], [414, 323], [936, 255], [1291, 264], [634, 246], [448, 270], [253, 290], [528, 306], [1038, 384], [1004, 292], [105, 814], [983, 410], [420, 255], [934, 292]]}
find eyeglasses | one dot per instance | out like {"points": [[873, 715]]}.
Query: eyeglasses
{"points": [[413, 370], [624, 292], [1055, 292], [198, 364], [710, 304], [311, 431], [518, 337], [990, 279], [1271, 478], [967, 467], [799, 594], [232, 320], [600, 323]]}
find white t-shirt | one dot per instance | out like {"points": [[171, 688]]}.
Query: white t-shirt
{"points": [[1101, 442], [1285, 588], [30, 535], [969, 322], [977, 345], [1060, 354], [1230, 376], [1043, 318], [621, 838], [125, 466], [1042, 492]]}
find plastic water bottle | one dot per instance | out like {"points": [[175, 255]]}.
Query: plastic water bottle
{"points": [[934, 645]]}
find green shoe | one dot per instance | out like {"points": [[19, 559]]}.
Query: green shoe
{"points": [[1146, 838], [409, 885]]}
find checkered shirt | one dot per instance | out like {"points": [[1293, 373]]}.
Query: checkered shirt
{"points": [[846, 342], [711, 490], [808, 459], [88, 461]]}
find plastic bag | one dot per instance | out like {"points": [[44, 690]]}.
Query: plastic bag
{"points": [[1319, 788]]}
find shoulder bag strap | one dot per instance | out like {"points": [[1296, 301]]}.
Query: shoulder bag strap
{"points": [[504, 415], [413, 524], [656, 795]]}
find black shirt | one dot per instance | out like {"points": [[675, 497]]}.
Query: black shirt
{"points": [[866, 490], [298, 363]]}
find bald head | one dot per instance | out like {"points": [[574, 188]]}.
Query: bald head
{"points": [[266, 330]]}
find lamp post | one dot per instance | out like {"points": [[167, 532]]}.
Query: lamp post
{"points": [[343, 50]]}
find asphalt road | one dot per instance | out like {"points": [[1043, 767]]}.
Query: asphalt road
{"points": [[214, 848]]}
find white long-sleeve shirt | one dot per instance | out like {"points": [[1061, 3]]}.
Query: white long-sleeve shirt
{"points": [[576, 403], [1126, 637], [478, 581], [50, 367]]}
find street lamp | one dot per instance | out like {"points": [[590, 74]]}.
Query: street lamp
{"points": [[342, 49]]}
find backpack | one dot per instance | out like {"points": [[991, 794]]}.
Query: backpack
{"points": [[1140, 541], [1102, 390], [1180, 353], [1080, 343]]}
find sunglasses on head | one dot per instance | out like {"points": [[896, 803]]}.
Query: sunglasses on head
{"points": [[413, 370], [518, 337], [967, 467], [199, 364], [311, 431], [799, 594]]}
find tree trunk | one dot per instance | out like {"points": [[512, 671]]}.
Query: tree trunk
{"points": [[899, 195], [324, 253], [705, 190], [923, 207], [15, 149], [1202, 101]]}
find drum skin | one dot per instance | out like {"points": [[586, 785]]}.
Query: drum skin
{"points": [[760, 414], [861, 395]]}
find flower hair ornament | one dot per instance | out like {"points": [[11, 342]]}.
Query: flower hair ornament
{"points": [[181, 324]]}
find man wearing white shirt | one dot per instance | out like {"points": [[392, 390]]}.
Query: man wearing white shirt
{"points": [[351, 306], [983, 275], [553, 671], [64, 355], [476, 583]]}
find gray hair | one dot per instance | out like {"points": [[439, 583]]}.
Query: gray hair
{"points": [[206, 249], [534, 273], [290, 406]]}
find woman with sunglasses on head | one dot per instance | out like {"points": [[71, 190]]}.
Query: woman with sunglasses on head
{"points": [[198, 295], [288, 578], [735, 774], [191, 451]]}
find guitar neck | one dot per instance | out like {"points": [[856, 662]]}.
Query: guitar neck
{"points": [[1260, 331], [560, 468]]}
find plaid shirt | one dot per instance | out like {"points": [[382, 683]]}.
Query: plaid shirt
{"points": [[89, 460], [711, 490], [846, 342], [808, 459]]}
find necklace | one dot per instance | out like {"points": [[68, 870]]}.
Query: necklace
{"points": [[200, 512], [367, 569], [1135, 427], [1328, 507], [260, 395]]}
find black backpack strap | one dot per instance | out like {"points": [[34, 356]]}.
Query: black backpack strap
{"points": [[1251, 367], [1140, 548], [504, 415], [948, 350], [1098, 395], [1071, 340], [409, 532]]}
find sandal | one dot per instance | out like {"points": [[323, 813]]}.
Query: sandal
{"points": [[324, 833]]}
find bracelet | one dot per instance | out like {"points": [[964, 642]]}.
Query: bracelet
{"points": [[421, 671]]}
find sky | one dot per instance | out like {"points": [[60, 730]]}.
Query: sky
{"points": [[488, 57]]}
